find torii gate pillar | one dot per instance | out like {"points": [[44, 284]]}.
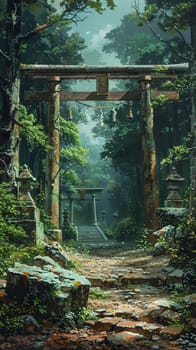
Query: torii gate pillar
{"points": [[52, 162], [148, 156]]}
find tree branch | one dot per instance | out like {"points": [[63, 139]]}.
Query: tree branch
{"points": [[6, 57], [70, 14], [178, 32], [34, 31], [166, 43]]}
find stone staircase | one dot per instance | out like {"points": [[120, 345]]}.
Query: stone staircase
{"points": [[91, 235]]}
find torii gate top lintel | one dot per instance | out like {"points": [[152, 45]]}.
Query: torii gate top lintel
{"points": [[91, 71], [102, 75]]}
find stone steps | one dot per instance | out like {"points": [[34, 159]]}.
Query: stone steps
{"points": [[88, 235]]}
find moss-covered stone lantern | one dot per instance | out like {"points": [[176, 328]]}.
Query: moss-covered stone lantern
{"points": [[174, 182], [24, 185], [31, 221], [173, 209]]}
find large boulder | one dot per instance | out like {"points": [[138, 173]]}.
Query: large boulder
{"points": [[60, 290]]}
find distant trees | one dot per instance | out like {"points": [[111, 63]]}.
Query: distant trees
{"points": [[134, 46], [174, 17], [14, 38]]}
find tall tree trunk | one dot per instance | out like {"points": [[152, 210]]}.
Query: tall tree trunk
{"points": [[52, 167], [193, 121], [9, 129], [148, 157]]}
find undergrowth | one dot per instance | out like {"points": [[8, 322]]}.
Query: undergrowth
{"points": [[97, 293], [14, 315]]}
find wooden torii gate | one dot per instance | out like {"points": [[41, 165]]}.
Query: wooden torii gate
{"points": [[144, 74]]}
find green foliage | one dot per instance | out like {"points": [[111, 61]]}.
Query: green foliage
{"points": [[47, 221], [69, 232], [12, 320], [176, 297], [32, 132], [143, 242], [159, 100], [69, 132], [129, 42], [12, 235], [97, 5], [184, 253], [97, 293], [10, 211], [178, 153], [38, 307], [73, 319], [11, 314], [182, 84], [178, 16], [184, 314], [10, 253], [148, 15], [25, 255], [127, 230], [6, 249], [72, 154], [86, 314]]}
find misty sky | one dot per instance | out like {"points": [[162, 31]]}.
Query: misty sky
{"points": [[96, 26], [93, 29]]}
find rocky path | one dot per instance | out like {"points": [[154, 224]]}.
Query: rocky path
{"points": [[128, 308]]}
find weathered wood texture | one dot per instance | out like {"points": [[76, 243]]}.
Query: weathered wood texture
{"points": [[91, 72], [92, 95], [150, 188], [52, 168]]}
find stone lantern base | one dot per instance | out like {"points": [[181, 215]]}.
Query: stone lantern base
{"points": [[32, 224], [170, 216]]}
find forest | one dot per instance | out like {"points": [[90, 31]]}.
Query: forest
{"points": [[137, 154]]}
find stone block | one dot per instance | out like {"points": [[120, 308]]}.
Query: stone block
{"points": [[144, 328], [169, 316], [106, 324], [123, 340], [41, 261], [96, 281], [171, 332], [58, 289], [57, 253], [190, 302], [166, 304]]}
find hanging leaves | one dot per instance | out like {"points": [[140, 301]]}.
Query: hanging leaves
{"points": [[32, 132]]}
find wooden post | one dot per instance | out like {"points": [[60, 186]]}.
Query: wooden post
{"points": [[52, 167], [193, 123], [149, 156], [16, 129]]}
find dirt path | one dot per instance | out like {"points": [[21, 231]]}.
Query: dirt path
{"points": [[128, 308]]}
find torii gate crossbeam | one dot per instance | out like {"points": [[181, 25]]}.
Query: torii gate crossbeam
{"points": [[144, 74], [91, 72]]}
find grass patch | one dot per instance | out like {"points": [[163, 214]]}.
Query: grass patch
{"points": [[97, 293]]}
